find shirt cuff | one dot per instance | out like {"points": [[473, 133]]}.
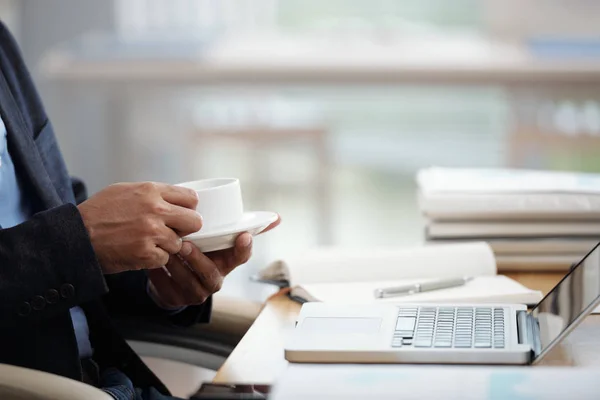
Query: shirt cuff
{"points": [[170, 311]]}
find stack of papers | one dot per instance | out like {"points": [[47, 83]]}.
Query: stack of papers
{"points": [[351, 276], [533, 220]]}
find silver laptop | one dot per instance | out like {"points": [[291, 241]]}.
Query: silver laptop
{"points": [[447, 333]]}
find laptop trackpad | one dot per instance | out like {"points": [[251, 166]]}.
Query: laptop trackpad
{"points": [[341, 325]]}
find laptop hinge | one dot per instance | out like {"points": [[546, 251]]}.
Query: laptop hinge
{"points": [[528, 331]]}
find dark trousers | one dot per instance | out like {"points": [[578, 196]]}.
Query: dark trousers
{"points": [[119, 386]]}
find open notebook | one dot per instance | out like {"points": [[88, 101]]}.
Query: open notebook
{"points": [[351, 276]]}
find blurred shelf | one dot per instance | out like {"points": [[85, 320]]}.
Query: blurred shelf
{"points": [[277, 59], [554, 140]]}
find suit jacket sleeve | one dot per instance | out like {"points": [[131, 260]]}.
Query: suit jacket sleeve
{"points": [[128, 293], [47, 266]]}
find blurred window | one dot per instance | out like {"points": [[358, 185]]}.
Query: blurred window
{"points": [[378, 137]]}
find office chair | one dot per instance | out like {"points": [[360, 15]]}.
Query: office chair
{"points": [[17, 383]]}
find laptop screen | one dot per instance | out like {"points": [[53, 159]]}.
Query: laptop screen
{"points": [[575, 295]]}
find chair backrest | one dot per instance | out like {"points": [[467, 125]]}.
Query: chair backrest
{"points": [[17, 383]]}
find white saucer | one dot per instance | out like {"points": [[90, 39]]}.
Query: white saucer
{"points": [[224, 236]]}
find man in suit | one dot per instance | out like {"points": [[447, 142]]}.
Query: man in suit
{"points": [[68, 263]]}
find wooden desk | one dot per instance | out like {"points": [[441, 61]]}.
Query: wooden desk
{"points": [[258, 358]]}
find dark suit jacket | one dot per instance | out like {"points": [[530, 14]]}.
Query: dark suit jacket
{"points": [[48, 265]]}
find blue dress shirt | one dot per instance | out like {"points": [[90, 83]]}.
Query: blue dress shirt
{"points": [[13, 207]]}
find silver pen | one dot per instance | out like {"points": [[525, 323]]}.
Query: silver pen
{"points": [[414, 288]]}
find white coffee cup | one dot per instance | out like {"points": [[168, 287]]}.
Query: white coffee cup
{"points": [[219, 201]]}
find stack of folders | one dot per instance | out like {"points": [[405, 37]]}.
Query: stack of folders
{"points": [[532, 220]]}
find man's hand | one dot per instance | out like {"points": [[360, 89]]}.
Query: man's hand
{"points": [[139, 225], [191, 276]]}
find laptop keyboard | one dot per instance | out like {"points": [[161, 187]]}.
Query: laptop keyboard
{"points": [[450, 327]]}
